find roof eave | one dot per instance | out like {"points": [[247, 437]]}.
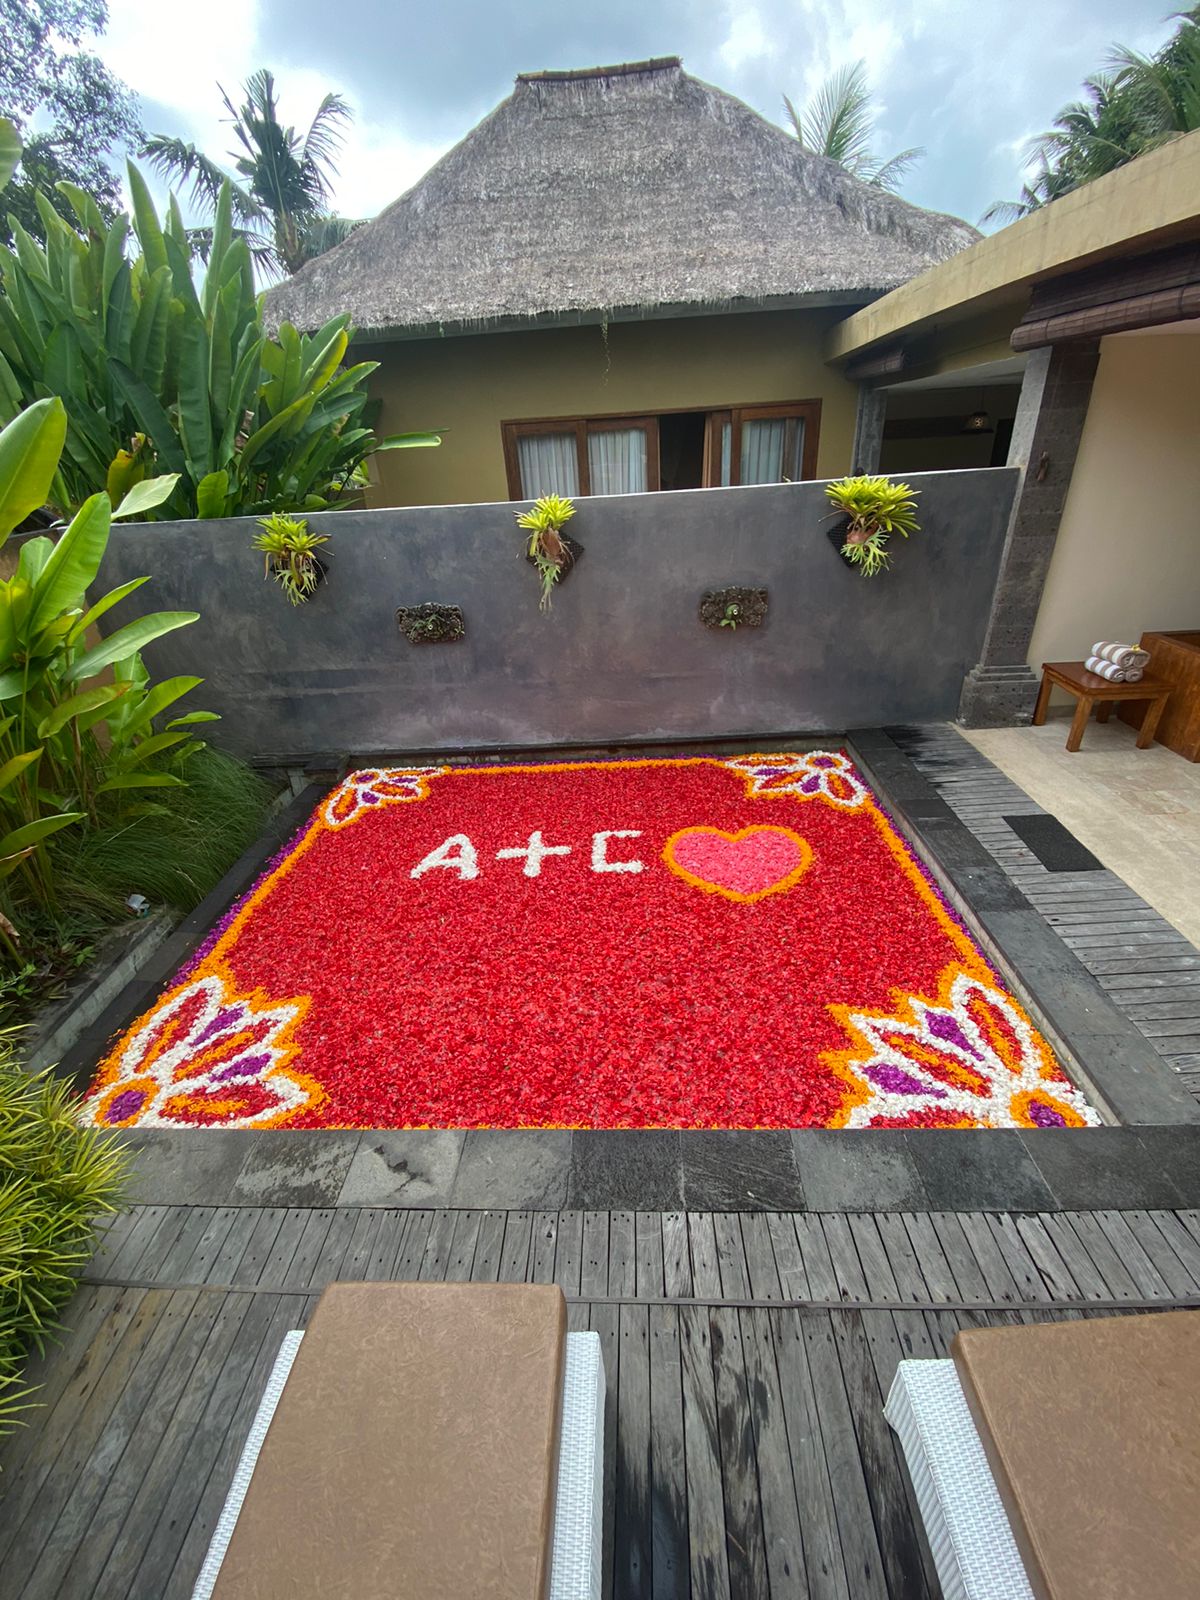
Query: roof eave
{"points": [[597, 317], [1149, 202]]}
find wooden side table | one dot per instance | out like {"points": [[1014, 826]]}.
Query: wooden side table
{"points": [[1090, 689]]}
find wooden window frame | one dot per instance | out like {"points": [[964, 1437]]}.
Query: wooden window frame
{"points": [[580, 427], [619, 425], [515, 428], [809, 410]]}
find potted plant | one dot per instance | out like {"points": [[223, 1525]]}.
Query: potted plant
{"points": [[291, 557], [550, 551], [875, 508]]}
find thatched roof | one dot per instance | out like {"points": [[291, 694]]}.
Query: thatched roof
{"points": [[619, 190]]}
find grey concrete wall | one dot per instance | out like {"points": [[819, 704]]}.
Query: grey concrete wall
{"points": [[622, 654]]}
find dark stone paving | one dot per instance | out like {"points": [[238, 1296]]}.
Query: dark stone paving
{"points": [[513, 1169], [662, 1170], [416, 1168], [647, 1162]]}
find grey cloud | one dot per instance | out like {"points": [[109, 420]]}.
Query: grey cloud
{"points": [[965, 81]]}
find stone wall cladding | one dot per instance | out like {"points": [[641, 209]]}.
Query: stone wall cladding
{"points": [[617, 657]]}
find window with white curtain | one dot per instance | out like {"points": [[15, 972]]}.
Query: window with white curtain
{"points": [[549, 464], [617, 460], [684, 449], [772, 449]]}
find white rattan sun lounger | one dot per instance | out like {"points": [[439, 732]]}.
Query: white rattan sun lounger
{"points": [[575, 1571], [965, 1521]]}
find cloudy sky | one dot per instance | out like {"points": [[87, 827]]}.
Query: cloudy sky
{"points": [[971, 82]]}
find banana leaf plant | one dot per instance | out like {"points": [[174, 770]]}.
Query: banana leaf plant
{"points": [[62, 687], [167, 370]]}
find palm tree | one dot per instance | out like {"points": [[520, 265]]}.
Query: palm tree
{"points": [[282, 199], [1140, 104], [838, 122], [1088, 138], [1164, 89]]}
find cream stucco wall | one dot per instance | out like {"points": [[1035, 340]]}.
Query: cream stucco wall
{"points": [[1126, 558], [469, 384], [1144, 204]]}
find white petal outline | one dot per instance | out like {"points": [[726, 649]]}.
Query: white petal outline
{"points": [[289, 1095], [762, 775], [415, 779], [992, 1109]]}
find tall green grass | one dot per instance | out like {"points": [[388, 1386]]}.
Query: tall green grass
{"points": [[56, 1179], [172, 846], [175, 848]]}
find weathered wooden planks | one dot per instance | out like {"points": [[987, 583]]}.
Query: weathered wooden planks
{"points": [[746, 1448]]}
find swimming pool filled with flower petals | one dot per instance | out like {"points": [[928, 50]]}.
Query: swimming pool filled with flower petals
{"points": [[695, 943]]}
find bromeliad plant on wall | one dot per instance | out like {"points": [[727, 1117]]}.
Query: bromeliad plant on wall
{"points": [[290, 555], [875, 508], [549, 550]]}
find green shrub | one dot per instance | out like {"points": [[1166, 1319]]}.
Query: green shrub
{"points": [[56, 1179], [166, 366], [71, 744]]}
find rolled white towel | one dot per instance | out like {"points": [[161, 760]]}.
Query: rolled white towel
{"points": [[1105, 669], [1124, 656]]}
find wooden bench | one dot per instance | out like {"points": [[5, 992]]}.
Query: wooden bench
{"points": [[1092, 690]]}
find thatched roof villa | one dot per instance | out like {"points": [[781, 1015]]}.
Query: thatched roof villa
{"points": [[621, 279]]}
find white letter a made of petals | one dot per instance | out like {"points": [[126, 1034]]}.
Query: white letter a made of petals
{"points": [[457, 852]]}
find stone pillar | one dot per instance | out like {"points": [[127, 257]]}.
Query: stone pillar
{"points": [[1000, 689], [868, 429]]}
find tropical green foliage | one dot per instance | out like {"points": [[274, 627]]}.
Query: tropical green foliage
{"points": [[547, 549], [172, 845], [1139, 104], [290, 555], [839, 122], [166, 371], [876, 508], [77, 717], [56, 1179], [10, 150], [69, 107], [282, 202]]}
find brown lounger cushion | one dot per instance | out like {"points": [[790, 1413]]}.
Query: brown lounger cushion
{"points": [[1092, 1432], [413, 1452]]}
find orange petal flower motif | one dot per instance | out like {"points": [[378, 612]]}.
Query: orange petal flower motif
{"points": [[205, 1058], [372, 787], [972, 1059], [827, 775]]}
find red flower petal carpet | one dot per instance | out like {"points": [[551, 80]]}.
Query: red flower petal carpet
{"points": [[696, 943]]}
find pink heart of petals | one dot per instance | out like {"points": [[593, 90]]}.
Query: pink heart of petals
{"points": [[741, 866]]}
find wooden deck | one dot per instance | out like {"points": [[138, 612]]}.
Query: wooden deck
{"points": [[747, 1359]]}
